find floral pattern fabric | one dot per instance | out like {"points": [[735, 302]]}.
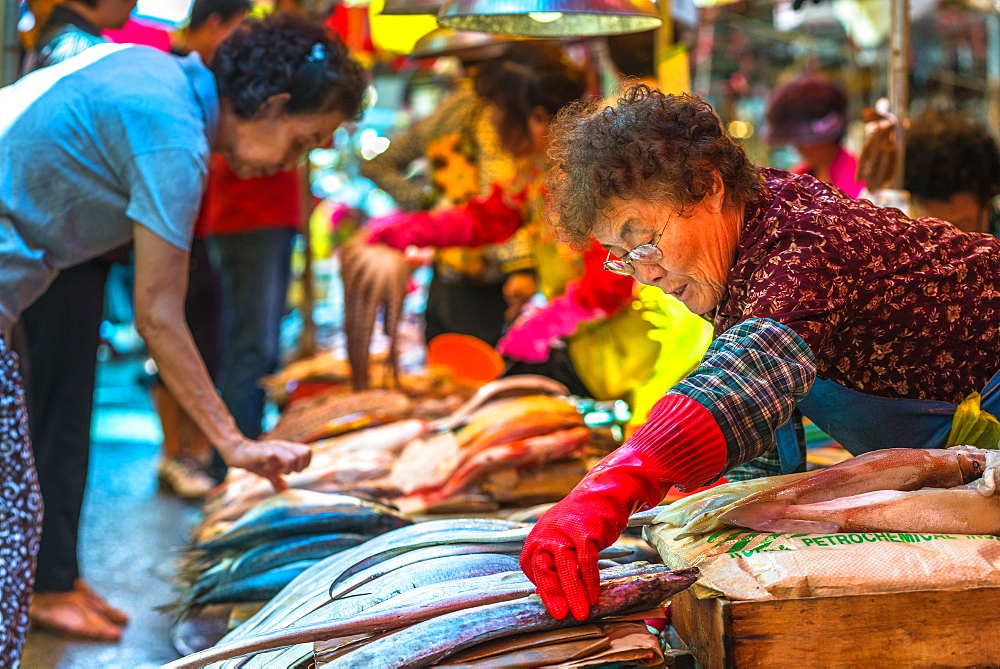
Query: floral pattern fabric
{"points": [[889, 306], [20, 512]]}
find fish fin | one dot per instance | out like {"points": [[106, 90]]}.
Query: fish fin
{"points": [[790, 526], [770, 517], [756, 515]]}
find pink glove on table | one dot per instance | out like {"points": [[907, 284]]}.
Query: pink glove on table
{"points": [[680, 443], [531, 337]]}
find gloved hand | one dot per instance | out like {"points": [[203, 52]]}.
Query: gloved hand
{"points": [[531, 336], [680, 444]]}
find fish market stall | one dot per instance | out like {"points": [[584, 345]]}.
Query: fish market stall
{"points": [[895, 548], [423, 593], [386, 458]]}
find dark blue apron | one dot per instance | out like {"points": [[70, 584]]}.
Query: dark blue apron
{"points": [[863, 423]]}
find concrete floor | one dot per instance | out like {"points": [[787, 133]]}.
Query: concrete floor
{"points": [[131, 532]]}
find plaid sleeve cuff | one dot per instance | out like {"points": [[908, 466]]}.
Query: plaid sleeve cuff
{"points": [[750, 380]]}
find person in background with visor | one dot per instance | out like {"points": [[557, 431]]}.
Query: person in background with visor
{"points": [[114, 144], [810, 114], [874, 325]]}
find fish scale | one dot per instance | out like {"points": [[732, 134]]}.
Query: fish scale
{"points": [[311, 547]]}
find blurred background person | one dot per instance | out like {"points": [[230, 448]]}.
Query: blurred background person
{"points": [[464, 159], [952, 169], [73, 26], [810, 114], [249, 223], [591, 334]]}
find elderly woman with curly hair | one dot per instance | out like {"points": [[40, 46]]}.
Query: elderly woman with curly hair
{"points": [[872, 324], [114, 144]]}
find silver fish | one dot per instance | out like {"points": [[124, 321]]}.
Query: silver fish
{"points": [[402, 610], [421, 573], [430, 641], [285, 515], [309, 590]]}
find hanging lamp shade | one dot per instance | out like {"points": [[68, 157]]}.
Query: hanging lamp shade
{"points": [[407, 7], [464, 45], [550, 18]]}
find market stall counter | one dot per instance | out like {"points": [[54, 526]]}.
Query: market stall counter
{"points": [[888, 559]]}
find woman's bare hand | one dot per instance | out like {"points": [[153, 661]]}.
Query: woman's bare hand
{"points": [[270, 459], [517, 290]]}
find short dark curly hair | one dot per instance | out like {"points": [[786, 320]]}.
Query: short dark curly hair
{"points": [[644, 145], [948, 153], [285, 53]]}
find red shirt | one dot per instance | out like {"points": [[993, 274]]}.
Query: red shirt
{"points": [[233, 205]]}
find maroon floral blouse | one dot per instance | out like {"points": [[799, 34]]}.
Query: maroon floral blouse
{"points": [[890, 306]]}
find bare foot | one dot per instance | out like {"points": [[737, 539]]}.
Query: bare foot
{"points": [[71, 613], [98, 603]]}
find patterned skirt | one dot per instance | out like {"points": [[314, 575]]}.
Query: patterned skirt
{"points": [[20, 511]]}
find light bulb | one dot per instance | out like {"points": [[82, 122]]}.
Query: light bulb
{"points": [[545, 17]]}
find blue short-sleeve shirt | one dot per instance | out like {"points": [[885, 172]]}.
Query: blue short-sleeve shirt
{"points": [[115, 136]]}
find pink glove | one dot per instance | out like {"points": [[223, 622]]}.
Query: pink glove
{"points": [[680, 443], [531, 336], [484, 220], [444, 227]]}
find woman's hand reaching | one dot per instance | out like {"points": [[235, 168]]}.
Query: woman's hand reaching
{"points": [[269, 459]]}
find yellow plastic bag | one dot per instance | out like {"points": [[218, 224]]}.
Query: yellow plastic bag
{"points": [[972, 426]]}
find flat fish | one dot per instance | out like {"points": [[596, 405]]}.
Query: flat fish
{"points": [[903, 469]]}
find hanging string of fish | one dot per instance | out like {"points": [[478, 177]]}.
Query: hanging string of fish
{"points": [[375, 278]]}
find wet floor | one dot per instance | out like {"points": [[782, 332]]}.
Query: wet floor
{"points": [[131, 532]]}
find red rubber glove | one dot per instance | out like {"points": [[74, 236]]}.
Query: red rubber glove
{"points": [[480, 221], [680, 443]]}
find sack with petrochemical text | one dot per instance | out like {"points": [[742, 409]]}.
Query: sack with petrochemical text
{"points": [[742, 564]]}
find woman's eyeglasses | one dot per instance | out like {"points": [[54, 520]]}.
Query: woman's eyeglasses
{"points": [[646, 254]]}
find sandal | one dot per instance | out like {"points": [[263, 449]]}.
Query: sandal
{"points": [[71, 613], [98, 603]]}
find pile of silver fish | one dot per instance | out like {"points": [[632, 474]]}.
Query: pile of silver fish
{"points": [[253, 558], [416, 595]]}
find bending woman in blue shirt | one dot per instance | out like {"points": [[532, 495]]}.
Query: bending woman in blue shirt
{"points": [[114, 144]]}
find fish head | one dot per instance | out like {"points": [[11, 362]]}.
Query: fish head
{"points": [[972, 462]]}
